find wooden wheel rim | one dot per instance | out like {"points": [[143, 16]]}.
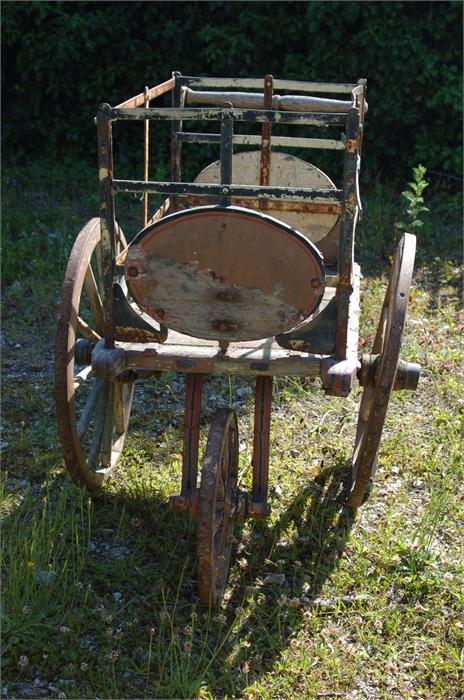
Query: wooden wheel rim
{"points": [[387, 344], [112, 399], [216, 506]]}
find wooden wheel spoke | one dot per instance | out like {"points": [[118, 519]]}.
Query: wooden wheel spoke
{"points": [[94, 299], [122, 405], [89, 408], [81, 377], [108, 429], [85, 330], [99, 424]]}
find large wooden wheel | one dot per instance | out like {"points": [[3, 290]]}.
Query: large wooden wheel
{"points": [[92, 412], [217, 507], [376, 395]]}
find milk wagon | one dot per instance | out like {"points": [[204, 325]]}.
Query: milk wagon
{"points": [[246, 270]]}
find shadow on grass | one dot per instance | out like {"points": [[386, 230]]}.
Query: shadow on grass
{"points": [[98, 575]]}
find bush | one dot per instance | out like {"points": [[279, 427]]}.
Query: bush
{"points": [[63, 58]]}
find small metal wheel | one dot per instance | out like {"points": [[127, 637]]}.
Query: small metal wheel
{"points": [[376, 395], [92, 412], [217, 507]]}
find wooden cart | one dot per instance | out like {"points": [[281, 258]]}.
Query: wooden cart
{"points": [[246, 270]]}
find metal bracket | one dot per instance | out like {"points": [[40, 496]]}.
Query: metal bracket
{"points": [[133, 326], [316, 336]]}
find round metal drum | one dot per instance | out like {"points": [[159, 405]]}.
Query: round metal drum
{"points": [[225, 273], [285, 171]]}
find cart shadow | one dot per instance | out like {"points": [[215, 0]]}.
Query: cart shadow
{"points": [[320, 526]]}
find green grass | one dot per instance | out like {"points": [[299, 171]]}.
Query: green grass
{"points": [[99, 594]]}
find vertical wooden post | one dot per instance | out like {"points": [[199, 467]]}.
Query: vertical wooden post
{"points": [[260, 460], [227, 149], [362, 111], [192, 416], [176, 146], [107, 220], [348, 225]]}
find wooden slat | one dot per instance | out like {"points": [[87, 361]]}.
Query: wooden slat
{"points": [[186, 354], [243, 115], [153, 92], [250, 83], [254, 100], [253, 140]]}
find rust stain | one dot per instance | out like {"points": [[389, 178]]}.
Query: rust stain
{"points": [[351, 145], [136, 335], [275, 205], [225, 326]]}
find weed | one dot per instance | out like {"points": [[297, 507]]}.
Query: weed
{"points": [[413, 207]]}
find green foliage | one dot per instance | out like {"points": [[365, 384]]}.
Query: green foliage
{"points": [[62, 59], [413, 202]]}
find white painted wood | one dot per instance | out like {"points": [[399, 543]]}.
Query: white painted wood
{"points": [[285, 171], [253, 100], [296, 85]]}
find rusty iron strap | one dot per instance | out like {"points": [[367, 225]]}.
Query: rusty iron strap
{"points": [[273, 192], [265, 165]]}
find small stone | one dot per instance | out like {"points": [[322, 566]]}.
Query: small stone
{"points": [[45, 576], [117, 596], [418, 485], [278, 579], [119, 553], [395, 470]]}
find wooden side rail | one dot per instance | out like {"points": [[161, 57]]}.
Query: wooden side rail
{"points": [[253, 140], [253, 100], [323, 119], [150, 94], [253, 83]]}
